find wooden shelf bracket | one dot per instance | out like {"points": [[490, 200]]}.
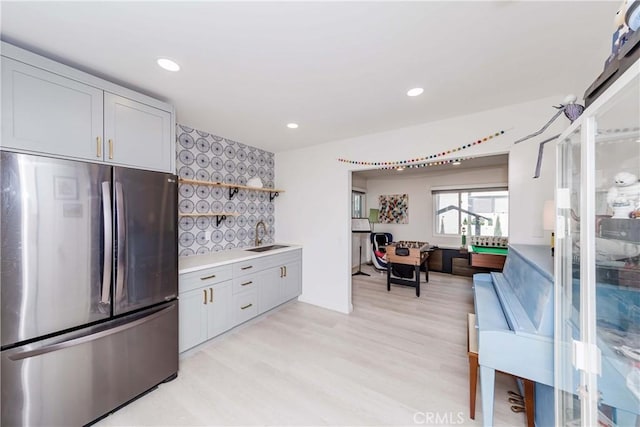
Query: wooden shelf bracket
{"points": [[233, 191], [219, 219]]}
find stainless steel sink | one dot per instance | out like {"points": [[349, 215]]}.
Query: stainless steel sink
{"points": [[267, 248]]}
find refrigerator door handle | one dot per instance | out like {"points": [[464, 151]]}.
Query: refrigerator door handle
{"points": [[121, 240], [90, 337], [108, 244]]}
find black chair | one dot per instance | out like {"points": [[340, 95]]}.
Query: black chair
{"points": [[378, 242], [403, 271]]}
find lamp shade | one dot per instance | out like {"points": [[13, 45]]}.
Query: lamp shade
{"points": [[373, 215], [549, 215]]}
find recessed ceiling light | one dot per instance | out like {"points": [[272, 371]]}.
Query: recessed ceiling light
{"points": [[292, 125], [400, 169], [168, 64], [415, 91], [455, 163]]}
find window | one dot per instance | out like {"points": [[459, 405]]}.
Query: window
{"points": [[477, 211], [357, 204]]}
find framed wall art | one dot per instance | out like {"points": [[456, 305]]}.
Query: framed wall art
{"points": [[394, 209]]}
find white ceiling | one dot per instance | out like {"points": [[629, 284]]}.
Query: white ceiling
{"points": [[339, 69]]}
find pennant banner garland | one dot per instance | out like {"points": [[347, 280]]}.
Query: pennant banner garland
{"points": [[411, 163]]}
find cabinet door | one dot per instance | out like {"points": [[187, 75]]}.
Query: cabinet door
{"points": [[46, 113], [291, 282], [193, 309], [270, 289], [219, 316], [136, 134]]}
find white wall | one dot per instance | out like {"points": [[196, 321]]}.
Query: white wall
{"points": [[420, 226], [315, 209], [527, 195]]}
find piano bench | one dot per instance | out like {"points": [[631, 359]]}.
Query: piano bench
{"points": [[472, 352]]}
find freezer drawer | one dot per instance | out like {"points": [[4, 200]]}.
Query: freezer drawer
{"points": [[71, 380]]}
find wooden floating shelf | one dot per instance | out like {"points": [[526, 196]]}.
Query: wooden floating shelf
{"points": [[220, 216], [233, 188], [209, 214]]}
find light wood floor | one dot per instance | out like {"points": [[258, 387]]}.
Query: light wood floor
{"points": [[396, 360]]}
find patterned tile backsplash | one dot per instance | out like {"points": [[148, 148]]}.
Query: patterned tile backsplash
{"points": [[206, 157]]}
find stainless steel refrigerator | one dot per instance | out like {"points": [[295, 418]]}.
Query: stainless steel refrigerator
{"points": [[88, 288]]}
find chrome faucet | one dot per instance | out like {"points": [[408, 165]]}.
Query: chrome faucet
{"points": [[264, 227]]}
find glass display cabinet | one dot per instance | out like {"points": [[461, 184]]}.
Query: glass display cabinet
{"points": [[597, 261]]}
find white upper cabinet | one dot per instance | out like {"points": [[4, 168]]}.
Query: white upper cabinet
{"points": [[56, 110], [47, 113], [136, 134]]}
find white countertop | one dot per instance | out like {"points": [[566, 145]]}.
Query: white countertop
{"points": [[188, 264]]}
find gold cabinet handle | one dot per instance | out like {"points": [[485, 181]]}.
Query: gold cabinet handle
{"points": [[210, 294], [111, 149], [247, 267], [246, 283], [281, 272], [208, 277], [285, 271], [205, 296], [246, 306], [98, 147]]}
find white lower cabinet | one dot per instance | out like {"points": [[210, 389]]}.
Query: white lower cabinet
{"points": [[204, 313], [204, 305], [270, 291], [219, 314], [291, 281], [192, 319], [281, 284], [233, 294]]}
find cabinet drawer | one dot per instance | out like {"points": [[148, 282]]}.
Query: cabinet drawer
{"points": [[245, 284], [204, 277], [290, 257], [245, 306], [243, 268]]}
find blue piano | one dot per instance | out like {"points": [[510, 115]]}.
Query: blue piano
{"points": [[514, 312]]}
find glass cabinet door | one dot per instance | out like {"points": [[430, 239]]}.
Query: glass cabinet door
{"points": [[616, 241], [567, 255], [598, 262]]}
